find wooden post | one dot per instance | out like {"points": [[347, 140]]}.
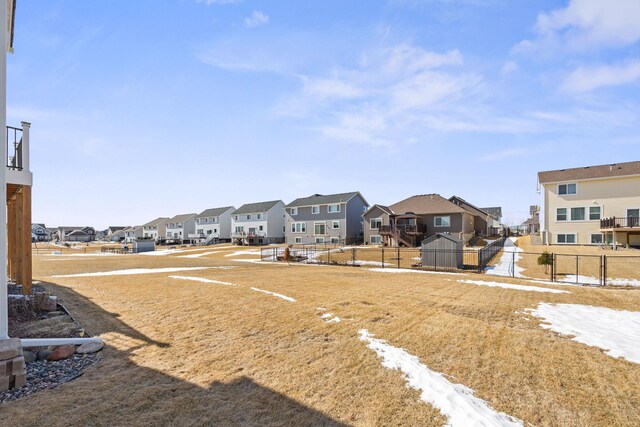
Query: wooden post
{"points": [[18, 227], [10, 240], [25, 237]]}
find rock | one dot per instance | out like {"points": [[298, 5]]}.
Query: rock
{"points": [[43, 354], [30, 356], [90, 347], [50, 305], [61, 353]]}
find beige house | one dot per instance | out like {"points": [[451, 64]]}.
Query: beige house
{"points": [[591, 205]]}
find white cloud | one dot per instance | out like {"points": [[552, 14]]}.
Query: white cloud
{"points": [[586, 79], [256, 19], [587, 24], [509, 67]]}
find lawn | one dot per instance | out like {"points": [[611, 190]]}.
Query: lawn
{"points": [[235, 341]]}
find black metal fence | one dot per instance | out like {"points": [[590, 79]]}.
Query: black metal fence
{"points": [[592, 270], [14, 148]]}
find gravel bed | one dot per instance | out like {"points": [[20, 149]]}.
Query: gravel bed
{"points": [[43, 375], [17, 289]]}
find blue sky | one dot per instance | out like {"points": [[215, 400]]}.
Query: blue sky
{"points": [[153, 108]]}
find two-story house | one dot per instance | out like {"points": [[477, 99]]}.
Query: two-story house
{"points": [[258, 223], [482, 220], [213, 225], [76, 234], [40, 233], [132, 234], [333, 218], [179, 227], [591, 205], [410, 221], [156, 229]]}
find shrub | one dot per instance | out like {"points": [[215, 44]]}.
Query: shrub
{"points": [[545, 259]]}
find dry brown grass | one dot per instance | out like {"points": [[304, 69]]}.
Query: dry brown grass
{"points": [[187, 353]]}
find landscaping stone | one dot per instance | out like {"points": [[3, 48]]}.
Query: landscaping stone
{"points": [[30, 356], [50, 305], [90, 347], [43, 354], [62, 352]]}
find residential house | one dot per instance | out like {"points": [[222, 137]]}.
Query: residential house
{"points": [[333, 218], [156, 229], [591, 205], [482, 220], [40, 233], [532, 224], [496, 226], [76, 234], [410, 221], [179, 227], [113, 228], [213, 225], [132, 233], [116, 236], [259, 223]]}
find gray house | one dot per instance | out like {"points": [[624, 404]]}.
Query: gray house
{"points": [[213, 225], [260, 223], [334, 218]]}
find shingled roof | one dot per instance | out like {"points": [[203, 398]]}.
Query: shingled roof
{"points": [[320, 199], [256, 207], [213, 212], [590, 172], [181, 218], [425, 204], [155, 222]]}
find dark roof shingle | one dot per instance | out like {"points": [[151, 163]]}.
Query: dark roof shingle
{"points": [[320, 199], [256, 207], [590, 172], [213, 212]]}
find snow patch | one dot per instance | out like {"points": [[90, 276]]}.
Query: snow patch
{"points": [[199, 255], [615, 331], [455, 401], [134, 271], [511, 286], [202, 279], [274, 294], [508, 264], [330, 318], [378, 263]]}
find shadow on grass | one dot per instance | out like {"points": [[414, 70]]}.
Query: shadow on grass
{"points": [[122, 392]]}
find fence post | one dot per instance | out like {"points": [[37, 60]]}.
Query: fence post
{"points": [[329, 256], [604, 271], [513, 264], [435, 259], [577, 269], [398, 256], [353, 256], [383, 257]]}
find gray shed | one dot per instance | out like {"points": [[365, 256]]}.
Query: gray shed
{"points": [[144, 245], [442, 250]]}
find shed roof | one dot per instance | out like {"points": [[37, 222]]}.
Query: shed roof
{"points": [[590, 172], [256, 207], [438, 236], [213, 212], [320, 199]]}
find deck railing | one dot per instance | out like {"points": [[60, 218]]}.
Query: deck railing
{"points": [[14, 148], [615, 222]]}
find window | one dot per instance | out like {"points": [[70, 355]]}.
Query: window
{"points": [[561, 214], [248, 216], [294, 211], [335, 225], [566, 238], [375, 223], [215, 219], [564, 189], [334, 240], [597, 239], [594, 213], [239, 229], [442, 221], [236, 217], [577, 214], [319, 228], [375, 240], [209, 231], [298, 227], [206, 220], [261, 228], [365, 208], [298, 239], [315, 209], [215, 230], [259, 216], [319, 239], [333, 208]]}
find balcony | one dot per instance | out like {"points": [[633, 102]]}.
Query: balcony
{"points": [[249, 235], [18, 172], [197, 236], [615, 223]]}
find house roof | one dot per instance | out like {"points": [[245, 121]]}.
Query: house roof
{"points": [[156, 221], [36, 224], [256, 207], [469, 206], [383, 208], [424, 204], [590, 172], [181, 218], [495, 212], [134, 228], [78, 233], [117, 227], [213, 212], [320, 199], [437, 236]]}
